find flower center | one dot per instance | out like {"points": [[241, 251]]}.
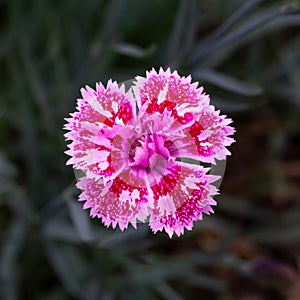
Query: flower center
{"points": [[149, 152]]}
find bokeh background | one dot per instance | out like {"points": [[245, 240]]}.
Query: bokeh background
{"points": [[247, 56]]}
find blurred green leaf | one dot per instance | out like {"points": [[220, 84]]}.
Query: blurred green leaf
{"points": [[114, 16], [80, 219], [283, 21], [183, 32], [229, 106], [167, 291], [132, 50], [57, 230], [129, 237], [152, 274], [7, 169], [37, 89], [227, 82], [204, 281], [137, 292], [60, 262], [10, 256], [234, 18], [255, 24]]}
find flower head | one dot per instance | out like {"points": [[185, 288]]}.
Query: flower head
{"points": [[132, 147]]}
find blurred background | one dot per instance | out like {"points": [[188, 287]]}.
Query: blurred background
{"points": [[246, 54]]}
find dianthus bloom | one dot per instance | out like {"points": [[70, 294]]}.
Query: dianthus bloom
{"points": [[134, 148]]}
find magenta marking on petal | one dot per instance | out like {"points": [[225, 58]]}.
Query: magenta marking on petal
{"points": [[166, 90], [185, 203], [89, 127], [117, 205]]}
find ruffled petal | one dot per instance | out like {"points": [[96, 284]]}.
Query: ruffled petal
{"points": [[166, 90], [210, 133], [181, 197], [116, 203], [101, 113]]}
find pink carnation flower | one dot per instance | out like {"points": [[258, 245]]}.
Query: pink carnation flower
{"points": [[132, 146]]}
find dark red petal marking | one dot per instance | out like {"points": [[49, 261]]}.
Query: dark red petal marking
{"points": [[167, 183], [118, 186]]}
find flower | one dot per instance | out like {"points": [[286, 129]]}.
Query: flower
{"points": [[132, 147]]}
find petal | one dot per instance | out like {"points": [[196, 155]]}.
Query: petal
{"points": [[166, 90], [116, 203], [181, 198], [100, 116], [210, 133]]}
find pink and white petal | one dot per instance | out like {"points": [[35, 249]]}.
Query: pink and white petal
{"points": [[93, 127], [166, 90], [210, 133], [113, 101], [181, 199], [116, 203]]}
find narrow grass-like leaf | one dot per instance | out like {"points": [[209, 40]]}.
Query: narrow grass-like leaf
{"points": [[175, 42], [150, 274], [131, 50], [28, 143], [20, 203], [183, 33], [6, 168], [11, 194], [59, 230], [227, 82], [8, 260], [283, 21], [204, 281], [203, 259], [234, 18], [108, 35], [237, 36], [167, 291], [114, 16], [127, 237], [37, 89], [229, 106], [80, 219], [60, 264], [137, 292]]}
